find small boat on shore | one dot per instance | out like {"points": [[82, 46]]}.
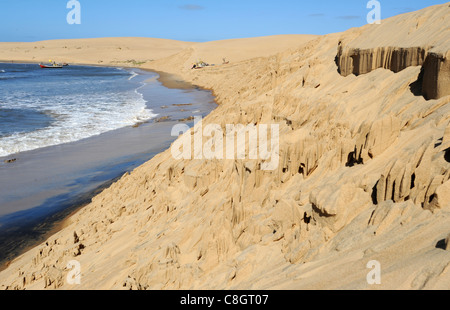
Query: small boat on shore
{"points": [[52, 66]]}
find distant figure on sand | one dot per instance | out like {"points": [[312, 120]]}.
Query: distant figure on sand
{"points": [[199, 64]]}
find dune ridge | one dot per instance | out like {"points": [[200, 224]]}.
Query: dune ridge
{"points": [[364, 175]]}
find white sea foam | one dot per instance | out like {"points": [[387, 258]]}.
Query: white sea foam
{"points": [[79, 117], [133, 75], [2, 71]]}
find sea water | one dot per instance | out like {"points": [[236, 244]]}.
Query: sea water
{"points": [[45, 107]]}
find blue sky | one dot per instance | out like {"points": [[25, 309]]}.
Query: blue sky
{"points": [[190, 20]]}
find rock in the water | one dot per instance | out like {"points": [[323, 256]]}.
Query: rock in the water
{"points": [[163, 119], [187, 119]]}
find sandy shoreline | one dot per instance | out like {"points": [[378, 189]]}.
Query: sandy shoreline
{"points": [[172, 81]]}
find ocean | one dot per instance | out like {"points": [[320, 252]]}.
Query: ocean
{"points": [[45, 107]]}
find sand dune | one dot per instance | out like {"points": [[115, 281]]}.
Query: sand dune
{"points": [[236, 50], [141, 51], [103, 51], [364, 175]]}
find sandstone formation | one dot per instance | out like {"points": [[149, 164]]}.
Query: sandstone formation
{"points": [[404, 47]]}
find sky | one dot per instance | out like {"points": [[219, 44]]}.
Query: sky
{"points": [[190, 20]]}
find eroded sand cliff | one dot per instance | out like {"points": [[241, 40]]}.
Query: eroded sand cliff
{"points": [[364, 175]]}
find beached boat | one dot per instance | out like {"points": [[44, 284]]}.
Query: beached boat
{"points": [[53, 66]]}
